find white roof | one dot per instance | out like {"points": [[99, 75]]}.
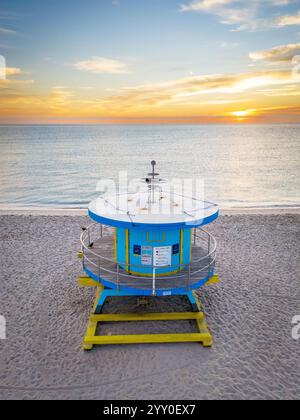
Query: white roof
{"points": [[152, 208]]}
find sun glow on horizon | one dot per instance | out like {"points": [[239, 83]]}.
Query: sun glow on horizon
{"points": [[241, 115]]}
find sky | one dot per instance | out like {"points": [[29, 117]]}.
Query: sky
{"points": [[149, 61]]}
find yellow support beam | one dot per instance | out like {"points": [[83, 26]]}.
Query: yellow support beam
{"points": [[91, 332], [214, 280], [98, 295], [173, 316], [92, 325], [87, 282], [148, 339], [202, 327], [91, 339]]}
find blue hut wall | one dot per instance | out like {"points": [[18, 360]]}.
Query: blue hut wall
{"points": [[134, 250]]}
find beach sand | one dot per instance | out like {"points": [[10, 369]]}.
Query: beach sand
{"points": [[249, 314]]}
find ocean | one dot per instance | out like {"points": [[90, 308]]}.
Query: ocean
{"points": [[60, 166]]}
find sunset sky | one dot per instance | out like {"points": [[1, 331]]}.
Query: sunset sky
{"points": [[150, 61]]}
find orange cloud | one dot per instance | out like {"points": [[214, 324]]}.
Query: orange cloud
{"points": [[209, 98], [13, 71]]}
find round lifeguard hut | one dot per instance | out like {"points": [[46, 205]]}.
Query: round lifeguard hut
{"points": [[153, 244]]}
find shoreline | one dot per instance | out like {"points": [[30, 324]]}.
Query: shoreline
{"points": [[39, 211]]}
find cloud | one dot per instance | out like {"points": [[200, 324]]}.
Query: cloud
{"points": [[270, 23], [216, 5], [13, 71], [205, 5], [10, 83], [20, 104], [280, 3], [197, 92], [289, 20], [6, 31], [244, 14], [60, 97], [268, 110], [279, 54], [206, 98], [226, 10], [101, 65], [6, 72], [14, 84], [180, 92]]}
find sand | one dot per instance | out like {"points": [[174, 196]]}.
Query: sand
{"points": [[250, 315]]}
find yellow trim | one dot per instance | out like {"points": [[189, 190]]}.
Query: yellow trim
{"points": [[205, 339], [91, 339], [181, 247], [87, 282], [92, 325], [115, 245], [214, 280], [153, 241], [99, 292], [172, 316], [91, 331], [151, 275], [127, 248], [202, 326]]}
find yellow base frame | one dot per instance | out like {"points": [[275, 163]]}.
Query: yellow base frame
{"points": [[91, 339]]}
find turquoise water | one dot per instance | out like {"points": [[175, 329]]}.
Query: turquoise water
{"points": [[59, 166]]}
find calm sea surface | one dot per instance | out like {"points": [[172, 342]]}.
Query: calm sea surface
{"points": [[59, 166]]}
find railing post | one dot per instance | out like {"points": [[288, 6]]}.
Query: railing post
{"points": [[118, 276], [189, 279], [89, 237], [209, 269], [208, 244], [99, 269], [83, 257], [195, 236], [101, 230], [154, 282]]}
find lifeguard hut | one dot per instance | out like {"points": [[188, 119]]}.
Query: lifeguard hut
{"points": [[148, 243]]}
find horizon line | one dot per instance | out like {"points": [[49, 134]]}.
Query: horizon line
{"points": [[237, 123]]}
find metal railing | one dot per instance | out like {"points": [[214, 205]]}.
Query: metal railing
{"points": [[95, 238]]}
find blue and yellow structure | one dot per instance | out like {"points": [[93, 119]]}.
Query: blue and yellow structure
{"points": [[153, 236]]}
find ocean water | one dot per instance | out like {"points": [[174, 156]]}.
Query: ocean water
{"points": [[59, 166]]}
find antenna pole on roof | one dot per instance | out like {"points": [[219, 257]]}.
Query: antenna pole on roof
{"points": [[153, 163], [153, 175]]}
